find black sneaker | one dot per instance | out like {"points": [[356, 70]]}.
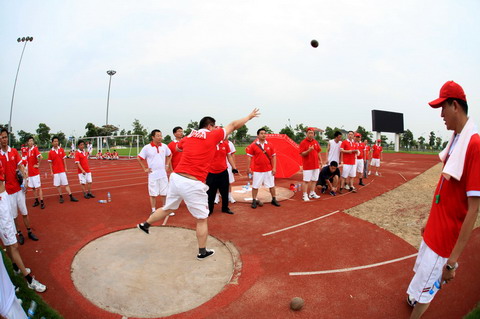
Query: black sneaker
{"points": [[36, 203], [61, 200], [91, 195], [21, 239], [228, 211], [32, 236], [73, 199], [361, 184], [275, 203], [254, 203], [42, 205], [142, 227], [86, 196], [411, 302], [208, 254], [324, 189]]}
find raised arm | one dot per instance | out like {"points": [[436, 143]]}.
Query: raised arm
{"points": [[241, 122]]}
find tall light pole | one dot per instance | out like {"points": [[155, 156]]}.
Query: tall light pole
{"points": [[24, 39], [111, 73]]}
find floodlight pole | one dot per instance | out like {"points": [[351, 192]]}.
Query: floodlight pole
{"points": [[111, 73], [24, 39]]}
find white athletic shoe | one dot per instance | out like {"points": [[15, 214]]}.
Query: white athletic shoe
{"points": [[369, 173], [305, 197], [313, 195], [37, 286], [232, 200], [347, 187], [19, 272], [172, 214], [376, 173], [217, 199]]}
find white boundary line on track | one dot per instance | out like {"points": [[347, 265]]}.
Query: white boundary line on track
{"points": [[297, 225], [322, 272], [403, 177]]}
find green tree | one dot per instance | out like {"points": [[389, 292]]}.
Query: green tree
{"points": [[421, 141], [406, 139], [240, 134], [431, 139], [22, 136], [43, 132], [438, 142], [267, 129], [300, 132], [193, 125], [384, 139], [107, 130], [167, 139], [138, 128], [330, 132], [288, 131], [92, 130], [365, 134]]}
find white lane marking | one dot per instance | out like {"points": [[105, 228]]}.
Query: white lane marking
{"points": [[297, 225], [403, 177], [322, 272]]}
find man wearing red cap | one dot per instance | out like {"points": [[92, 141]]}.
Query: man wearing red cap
{"points": [[377, 150], [312, 161], [455, 203]]}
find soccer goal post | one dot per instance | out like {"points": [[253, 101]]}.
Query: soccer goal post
{"points": [[127, 146]]}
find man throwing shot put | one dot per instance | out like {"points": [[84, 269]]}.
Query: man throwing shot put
{"points": [[455, 203], [187, 182]]}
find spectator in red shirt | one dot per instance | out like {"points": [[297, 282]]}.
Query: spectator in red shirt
{"points": [[187, 182], [455, 203], [264, 166], [33, 159], [176, 153], [360, 157], [310, 151], [377, 150], [58, 164], [366, 159], [83, 170], [349, 152]]}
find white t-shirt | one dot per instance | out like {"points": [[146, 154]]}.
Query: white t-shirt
{"points": [[232, 150], [7, 290], [155, 157], [334, 152]]}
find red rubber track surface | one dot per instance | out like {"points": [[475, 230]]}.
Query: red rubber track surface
{"points": [[264, 287]]}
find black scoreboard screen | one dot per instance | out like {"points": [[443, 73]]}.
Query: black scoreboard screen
{"points": [[384, 121]]}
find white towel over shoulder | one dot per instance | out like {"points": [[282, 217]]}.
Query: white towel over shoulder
{"points": [[456, 161]]}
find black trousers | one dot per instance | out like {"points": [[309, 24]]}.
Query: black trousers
{"points": [[217, 182]]}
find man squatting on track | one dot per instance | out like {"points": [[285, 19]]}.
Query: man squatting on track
{"points": [[455, 203], [329, 178], [14, 171], [187, 182], [7, 225]]}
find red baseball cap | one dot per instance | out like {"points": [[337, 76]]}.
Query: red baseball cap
{"points": [[449, 90], [311, 129], [358, 135], [379, 141]]}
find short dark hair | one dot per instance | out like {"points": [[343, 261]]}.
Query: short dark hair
{"points": [[337, 133], [80, 142], [261, 129], [351, 132], [206, 121], [55, 137], [155, 131], [4, 129], [462, 103], [176, 128], [334, 164]]}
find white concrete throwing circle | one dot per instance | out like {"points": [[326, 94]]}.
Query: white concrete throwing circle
{"points": [[148, 276]]}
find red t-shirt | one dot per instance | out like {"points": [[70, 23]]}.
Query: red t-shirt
{"points": [[446, 218], [367, 152], [10, 161], [198, 151], [311, 161], [176, 155], [377, 149], [348, 158], [219, 164], [261, 162], [82, 159], [32, 159], [56, 158], [361, 148]]}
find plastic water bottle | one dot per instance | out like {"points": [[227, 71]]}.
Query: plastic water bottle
{"points": [[299, 187], [109, 197], [31, 310], [248, 185], [435, 287], [249, 175], [102, 201]]}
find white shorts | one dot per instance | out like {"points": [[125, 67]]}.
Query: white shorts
{"points": [[375, 162], [16, 311], [158, 187], [428, 270], [192, 191], [231, 177], [17, 203], [349, 171], [360, 165], [85, 178], [7, 226], [265, 178], [34, 181], [311, 175], [60, 179]]}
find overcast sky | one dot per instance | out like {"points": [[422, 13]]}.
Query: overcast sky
{"points": [[177, 61]]}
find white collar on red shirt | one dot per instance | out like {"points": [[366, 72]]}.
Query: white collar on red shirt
{"points": [[8, 151], [56, 150], [258, 142]]}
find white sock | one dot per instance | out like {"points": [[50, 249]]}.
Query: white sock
{"points": [[153, 209]]}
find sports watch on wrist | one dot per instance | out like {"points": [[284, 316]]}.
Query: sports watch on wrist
{"points": [[450, 268]]}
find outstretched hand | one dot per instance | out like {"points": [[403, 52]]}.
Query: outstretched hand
{"points": [[255, 113]]}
